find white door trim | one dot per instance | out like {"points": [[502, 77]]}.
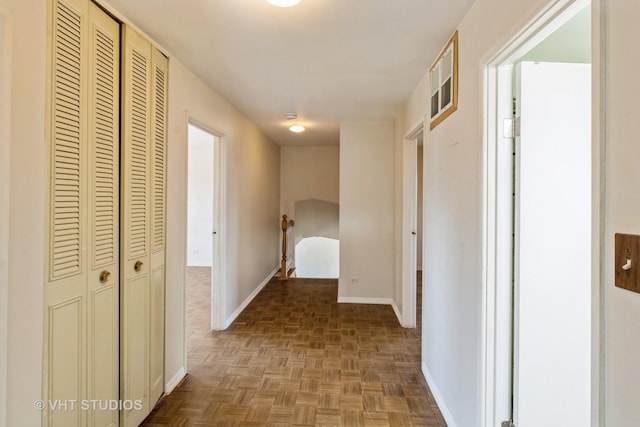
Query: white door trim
{"points": [[409, 224], [497, 206]]}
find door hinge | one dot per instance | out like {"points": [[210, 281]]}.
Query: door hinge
{"points": [[511, 127], [508, 424]]}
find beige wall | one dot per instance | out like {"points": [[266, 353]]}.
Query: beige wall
{"points": [[622, 308], [27, 195], [308, 173], [366, 211], [5, 93]]}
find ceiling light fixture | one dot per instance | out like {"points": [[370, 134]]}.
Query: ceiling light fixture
{"points": [[284, 3], [296, 127]]}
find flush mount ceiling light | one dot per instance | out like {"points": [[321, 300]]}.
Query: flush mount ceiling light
{"points": [[284, 3], [296, 127]]}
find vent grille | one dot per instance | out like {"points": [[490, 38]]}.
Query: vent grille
{"points": [[105, 179], [66, 233]]}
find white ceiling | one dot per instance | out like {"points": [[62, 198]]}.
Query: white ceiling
{"points": [[326, 60]]}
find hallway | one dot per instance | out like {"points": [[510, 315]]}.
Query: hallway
{"points": [[297, 357]]}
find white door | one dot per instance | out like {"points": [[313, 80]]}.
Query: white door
{"points": [[143, 225], [104, 216], [552, 327], [159, 85], [136, 248], [410, 231]]}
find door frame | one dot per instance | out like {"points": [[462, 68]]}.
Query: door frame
{"points": [[410, 223], [497, 221], [218, 276]]}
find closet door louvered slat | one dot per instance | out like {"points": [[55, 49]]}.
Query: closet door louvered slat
{"points": [[67, 230]]}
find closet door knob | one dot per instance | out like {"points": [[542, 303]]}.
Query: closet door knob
{"points": [[105, 276], [137, 266]]}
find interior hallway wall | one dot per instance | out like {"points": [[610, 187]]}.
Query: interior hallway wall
{"points": [[622, 342], [27, 188], [366, 212], [308, 173], [5, 93]]}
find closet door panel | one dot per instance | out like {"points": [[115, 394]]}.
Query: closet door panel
{"points": [[66, 362], [135, 223], [156, 362], [104, 216], [158, 212], [104, 353], [64, 359]]}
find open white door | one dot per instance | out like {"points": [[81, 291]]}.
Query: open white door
{"points": [[552, 331], [409, 230]]}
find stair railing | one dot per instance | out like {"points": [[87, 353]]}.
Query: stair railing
{"points": [[285, 224]]}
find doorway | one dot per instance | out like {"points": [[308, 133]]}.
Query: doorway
{"points": [[541, 328], [205, 230], [411, 223]]}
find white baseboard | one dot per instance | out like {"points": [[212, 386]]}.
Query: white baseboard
{"points": [[396, 310], [361, 300], [438, 397], [173, 382], [250, 298]]}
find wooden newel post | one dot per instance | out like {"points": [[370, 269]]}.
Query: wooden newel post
{"points": [[285, 224]]}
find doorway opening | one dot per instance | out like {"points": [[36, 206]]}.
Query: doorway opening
{"points": [[412, 238], [541, 187], [316, 239], [205, 284]]}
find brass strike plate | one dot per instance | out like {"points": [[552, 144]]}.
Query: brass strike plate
{"points": [[627, 262]]}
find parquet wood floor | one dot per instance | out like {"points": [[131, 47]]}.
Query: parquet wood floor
{"points": [[295, 357]]}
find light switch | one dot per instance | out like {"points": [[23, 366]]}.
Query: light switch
{"points": [[627, 262]]}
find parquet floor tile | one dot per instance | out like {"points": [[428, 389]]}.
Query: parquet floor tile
{"points": [[295, 357]]}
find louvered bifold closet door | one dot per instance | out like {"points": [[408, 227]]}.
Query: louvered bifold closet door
{"points": [[136, 224], [104, 218], [158, 213], [81, 321], [65, 293]]}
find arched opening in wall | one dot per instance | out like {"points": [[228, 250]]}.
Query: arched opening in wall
{"points": [[316, 239]]}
